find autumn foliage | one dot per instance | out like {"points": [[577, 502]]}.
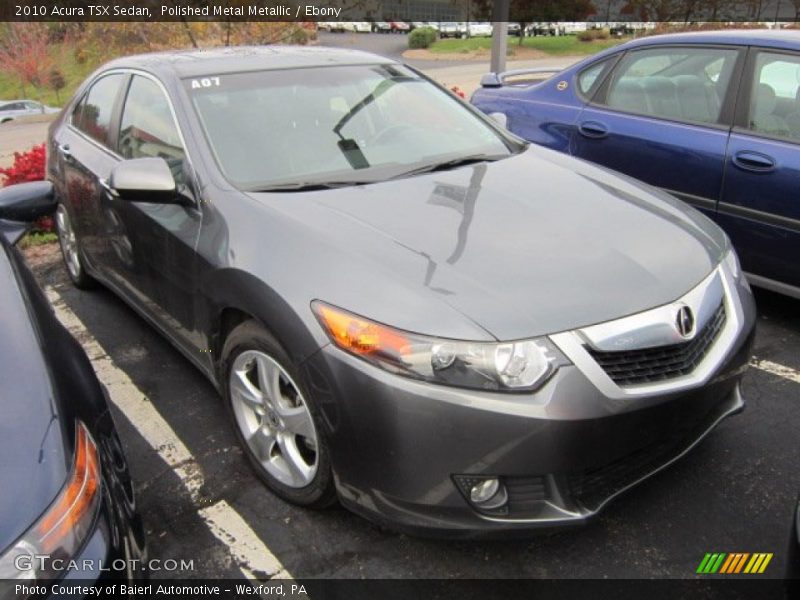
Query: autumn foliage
{"points": [[24, 51], [28, 166]]}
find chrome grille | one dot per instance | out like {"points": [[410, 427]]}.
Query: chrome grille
{"points": [[648, 365]]}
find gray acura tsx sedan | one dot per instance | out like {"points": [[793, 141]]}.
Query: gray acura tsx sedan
{"points": [[404, 306]]}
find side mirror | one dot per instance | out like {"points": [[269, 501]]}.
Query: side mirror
{"points": [[144, 180], [26, 202], [491, 80], [499, 118]]}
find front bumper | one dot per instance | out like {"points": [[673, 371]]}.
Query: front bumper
{"points": [[563, 452]]}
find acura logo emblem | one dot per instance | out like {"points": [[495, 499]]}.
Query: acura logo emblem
{"points": [[685, 321]]}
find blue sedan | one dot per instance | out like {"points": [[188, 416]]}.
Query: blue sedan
{"points": [[712, 118]]}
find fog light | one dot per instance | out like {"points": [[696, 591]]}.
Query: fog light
{"points": [[488, 494]]}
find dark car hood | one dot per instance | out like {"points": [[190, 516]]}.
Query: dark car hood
{"points": [[33, 467], [533, 244]]}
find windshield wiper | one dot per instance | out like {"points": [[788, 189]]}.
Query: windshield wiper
{"points": [[307, 186], [451, 164]]}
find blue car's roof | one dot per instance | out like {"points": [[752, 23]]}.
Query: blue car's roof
{"points": [[779, 38]]}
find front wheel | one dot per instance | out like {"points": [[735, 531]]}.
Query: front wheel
{"points": [[69, 250], [277, 424]]}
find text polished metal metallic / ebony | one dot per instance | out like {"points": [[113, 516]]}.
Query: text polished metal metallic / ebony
{"points": [[404, 307]]}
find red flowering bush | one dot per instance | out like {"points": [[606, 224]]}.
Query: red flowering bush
{"points": [[28, 166]]}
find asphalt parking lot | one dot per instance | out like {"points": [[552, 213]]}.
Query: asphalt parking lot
{"points": [[200, 502]]}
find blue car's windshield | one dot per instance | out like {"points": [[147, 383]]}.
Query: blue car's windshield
{"points": [[334, 124]]}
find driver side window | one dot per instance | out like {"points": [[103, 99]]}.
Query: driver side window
{"points": [[147, 128]]}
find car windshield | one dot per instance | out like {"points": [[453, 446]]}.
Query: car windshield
{"points": [[294, 128]]}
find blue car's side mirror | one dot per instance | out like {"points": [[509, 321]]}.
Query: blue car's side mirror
{"points": [[491, 80]]}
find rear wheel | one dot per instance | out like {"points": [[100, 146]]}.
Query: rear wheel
{"points": [[276, 422], [69, 249]]}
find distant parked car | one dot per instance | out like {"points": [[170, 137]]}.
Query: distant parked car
{"points": [[11, 110], [332, 26], [381, 27], [712, 118], [358, 26], [537, 29], [514, 29], [72, 512], [399, 27], [452, 30], [479, 29]]}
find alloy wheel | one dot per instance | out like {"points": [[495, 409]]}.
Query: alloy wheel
{"points": [[68, 241], [274, 418]]}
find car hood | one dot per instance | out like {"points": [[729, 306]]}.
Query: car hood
{"points": [[533, 244], [34, 466]]}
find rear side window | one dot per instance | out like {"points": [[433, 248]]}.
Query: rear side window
{"points": [[775, 96], [588, 78], [94, 117], [147, 128], [683, 84]]}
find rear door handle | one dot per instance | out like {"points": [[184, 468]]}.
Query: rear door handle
{"points": [[593, 129], [754, 161], [64, 150]]}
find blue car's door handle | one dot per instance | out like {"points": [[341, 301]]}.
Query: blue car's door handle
{"points": [[593, 129], [754, 161]]}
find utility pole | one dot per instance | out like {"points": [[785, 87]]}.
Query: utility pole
{"points": [[500, 15]]}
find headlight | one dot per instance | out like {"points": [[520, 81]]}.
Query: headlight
{"points": [[732, 262], [61, 531], [519, 365]]}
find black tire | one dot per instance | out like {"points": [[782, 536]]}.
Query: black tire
{"points": [[77, 274], [321, 491]]}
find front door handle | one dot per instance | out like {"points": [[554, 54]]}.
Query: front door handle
{"points": [[593, 129], [754, 161]]}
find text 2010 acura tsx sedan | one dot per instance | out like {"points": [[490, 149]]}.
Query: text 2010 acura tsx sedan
{"points": [[403, 305]]}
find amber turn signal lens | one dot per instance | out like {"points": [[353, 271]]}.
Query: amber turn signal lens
{"points": [[78, 496], [358, 335]]}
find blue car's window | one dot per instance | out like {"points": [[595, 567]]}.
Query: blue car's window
{"points": [[775, 97], [588, 77], [338, 123], [683, 84]]}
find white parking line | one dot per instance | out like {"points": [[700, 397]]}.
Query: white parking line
{"points": [[246, 547], [253, 557], [776, 369]]}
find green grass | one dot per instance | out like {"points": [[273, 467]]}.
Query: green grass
{"points": [[63, 59], [566, 45], [37, 238]]}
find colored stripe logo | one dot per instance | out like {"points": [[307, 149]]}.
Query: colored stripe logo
{"points": [[734, 562]]}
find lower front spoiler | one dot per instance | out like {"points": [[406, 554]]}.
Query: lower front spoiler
{"points": [[563, 500]]}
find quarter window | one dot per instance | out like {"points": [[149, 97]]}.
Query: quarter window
{"points": [[147, 128], [683, 84], [775, 96], [94, 118], [588, 77]]}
